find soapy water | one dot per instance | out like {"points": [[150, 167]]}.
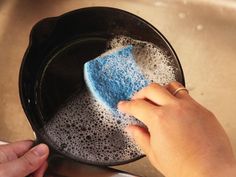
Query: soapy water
{"points": [[84, 129], [152, 60]]}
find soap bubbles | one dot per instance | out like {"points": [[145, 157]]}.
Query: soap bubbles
{"points": [[152, 60], [85, 130]]}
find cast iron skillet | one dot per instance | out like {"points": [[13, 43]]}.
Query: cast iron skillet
{"points": [[81, 35]]}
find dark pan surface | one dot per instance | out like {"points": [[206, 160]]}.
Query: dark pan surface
{"points": [[52, 68]]}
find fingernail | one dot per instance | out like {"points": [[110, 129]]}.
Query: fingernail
{"points": [[40, 150]]}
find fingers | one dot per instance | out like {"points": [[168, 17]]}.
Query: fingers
{"points": [[141, 137], [14, 150], [141, 109], [155, 93], [40, 172], [173, 86], [28, 163]]}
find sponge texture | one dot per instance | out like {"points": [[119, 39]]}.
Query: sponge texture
{"points": [[114, 76]]}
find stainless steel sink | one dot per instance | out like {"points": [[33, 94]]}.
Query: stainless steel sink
{"points": [[202, 32]]}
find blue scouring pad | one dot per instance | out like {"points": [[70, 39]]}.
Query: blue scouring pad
{"points": [[114, 76]]}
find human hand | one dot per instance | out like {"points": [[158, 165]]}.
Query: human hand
{"points": [[183, 138], [18, 160]]}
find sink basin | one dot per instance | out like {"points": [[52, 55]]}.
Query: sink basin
{"points": [[201, 32]]}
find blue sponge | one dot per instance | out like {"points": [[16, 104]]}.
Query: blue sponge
{"points": [[114, 76]]}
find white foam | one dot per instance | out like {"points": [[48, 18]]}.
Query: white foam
{"points": [[152, 60], [85, 130]]}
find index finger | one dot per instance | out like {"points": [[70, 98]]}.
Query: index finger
{"points": [[155, 93], [141, 109]]}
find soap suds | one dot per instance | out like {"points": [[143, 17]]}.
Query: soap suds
{"points": [[152, 60], [83, 129]]}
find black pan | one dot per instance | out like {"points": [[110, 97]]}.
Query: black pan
{"points": [[84, 34]]}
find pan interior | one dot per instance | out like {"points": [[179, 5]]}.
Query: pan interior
{"points": [[76, 124]]}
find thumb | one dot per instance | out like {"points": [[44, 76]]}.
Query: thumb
{"points": [[28, 163], [141, 137]]}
